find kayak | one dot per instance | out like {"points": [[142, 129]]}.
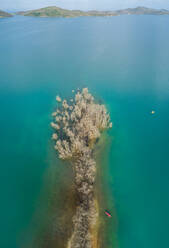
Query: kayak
{"points": [[108, 214]]}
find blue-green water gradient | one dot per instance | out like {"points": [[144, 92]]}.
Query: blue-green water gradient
{"points": [[124, 61]]}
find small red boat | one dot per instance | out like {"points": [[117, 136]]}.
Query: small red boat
{"points": [[108, 214]]}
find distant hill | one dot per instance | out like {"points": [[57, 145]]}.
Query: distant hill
{"points": [[4, 14], [142, 11], [59, 12]]}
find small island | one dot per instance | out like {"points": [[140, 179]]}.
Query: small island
{"points": [[78, 125], [54, 11], [4, 14]]}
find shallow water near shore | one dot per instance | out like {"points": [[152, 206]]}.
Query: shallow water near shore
{"points": [[124, 62]]}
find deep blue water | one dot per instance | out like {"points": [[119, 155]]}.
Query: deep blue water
{"points": [[124, 61]]}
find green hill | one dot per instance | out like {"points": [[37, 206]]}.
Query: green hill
{"points": [[59, 12], [4, 14]]}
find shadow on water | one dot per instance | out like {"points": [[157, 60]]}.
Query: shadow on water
{"points": [[108, 226], [52, 222]]}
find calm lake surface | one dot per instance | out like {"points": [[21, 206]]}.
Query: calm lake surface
{"points": [[124, 61]]}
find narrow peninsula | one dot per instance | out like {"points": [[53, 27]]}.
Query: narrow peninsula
{"points": [[54, 11], [78, 125]]}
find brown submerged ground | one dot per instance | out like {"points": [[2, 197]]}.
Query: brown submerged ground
{"points": [[78, 125]]}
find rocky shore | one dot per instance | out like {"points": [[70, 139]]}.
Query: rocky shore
{"points": [[77, 126]]}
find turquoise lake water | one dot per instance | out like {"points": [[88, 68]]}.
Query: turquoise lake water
{"points": [[124, 61]]}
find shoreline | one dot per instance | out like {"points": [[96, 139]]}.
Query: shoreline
{"points": [[53, 11], [95, 228]]}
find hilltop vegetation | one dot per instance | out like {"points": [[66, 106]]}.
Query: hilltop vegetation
{"points": [[59, 12], [4, 14]]}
